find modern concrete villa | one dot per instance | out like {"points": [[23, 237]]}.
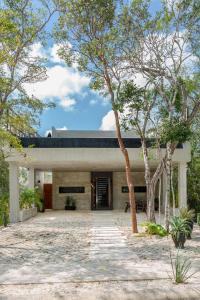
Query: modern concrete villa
{"points": [[89, 166]]}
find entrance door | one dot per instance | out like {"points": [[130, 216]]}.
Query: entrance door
{"points": [[47, 192], [101, 183]]}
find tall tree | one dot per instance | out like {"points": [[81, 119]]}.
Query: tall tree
{"points": [[88, 30], [163, 48], [22, 24]]}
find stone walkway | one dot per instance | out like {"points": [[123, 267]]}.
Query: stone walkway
{"points": [[77, 252], [107, 240]]}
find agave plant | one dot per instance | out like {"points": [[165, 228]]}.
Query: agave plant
{"points": [[188, 215], [179, 231]]}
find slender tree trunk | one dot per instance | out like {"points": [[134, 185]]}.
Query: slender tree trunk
{"points": [[159, 201], [167, 194], [149, 186], [129, 177], [173, 193]]}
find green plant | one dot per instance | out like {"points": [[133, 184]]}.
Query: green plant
{"points": [[30, 197], [180, 269], [187, 214], [179, 231], [4, 210], [198, 219], [70, 201], [154, 229]]}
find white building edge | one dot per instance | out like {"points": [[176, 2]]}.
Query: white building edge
{"points": [[89, 166]]}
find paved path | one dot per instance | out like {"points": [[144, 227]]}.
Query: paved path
{"points": [[106, 258], [107, 241]]}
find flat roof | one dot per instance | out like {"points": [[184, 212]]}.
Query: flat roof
{"points": [[52, 142]]}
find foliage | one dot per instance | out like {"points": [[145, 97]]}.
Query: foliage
{"points": [[4, 210], [193, 173], [29, 198], [180, 269], [22, 25], [198, 219], [154, 229], [187, 214], [70, 201], [4, 180], [179, 226]]}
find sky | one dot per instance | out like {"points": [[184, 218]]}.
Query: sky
{"points": [[77, 106]]}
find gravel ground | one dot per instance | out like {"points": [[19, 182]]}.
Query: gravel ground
{"points": [[58, 237], [47, 238]]}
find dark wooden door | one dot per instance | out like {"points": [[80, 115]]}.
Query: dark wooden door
{"points": [[101, 190], [47, 190]]}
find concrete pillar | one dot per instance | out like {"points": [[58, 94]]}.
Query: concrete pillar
{"points": [[31, 178], [14, 192], [182, 184]]}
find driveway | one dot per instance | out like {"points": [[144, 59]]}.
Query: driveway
{"points": [[79, 251]]}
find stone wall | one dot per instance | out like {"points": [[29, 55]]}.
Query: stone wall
{"points": [[83, 200], [71, 179], [119, 180]]}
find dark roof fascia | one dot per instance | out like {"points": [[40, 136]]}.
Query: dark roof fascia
{"points": [[45, 142]]}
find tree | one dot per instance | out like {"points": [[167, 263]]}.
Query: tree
{"points": [[21, 26], [138, 113], [163, 49], [88, 31]]}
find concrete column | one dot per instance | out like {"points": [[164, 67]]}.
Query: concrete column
{"points": [[31, 178], [182, 184], [14, 192]]}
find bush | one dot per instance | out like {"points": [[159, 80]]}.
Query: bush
{"points": [[4, 210], [29, 198], [154, 229]]}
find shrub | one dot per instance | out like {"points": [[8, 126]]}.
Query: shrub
{"points": [[180, 229], [180, 269], [187, 214], [198, 219], [154, 229], [4, 210], [30, 197]]}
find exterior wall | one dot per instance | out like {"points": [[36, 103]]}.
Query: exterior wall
{"points": [[119, 180], [83, 200]]}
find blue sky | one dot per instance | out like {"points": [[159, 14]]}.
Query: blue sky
{"points": [[77, 107]]}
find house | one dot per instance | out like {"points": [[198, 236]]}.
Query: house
{"points": [[89, 166]]}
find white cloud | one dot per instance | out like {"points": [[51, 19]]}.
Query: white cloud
{"points": [[108, 121], [67, 103], [61, 83], [62, 128]]}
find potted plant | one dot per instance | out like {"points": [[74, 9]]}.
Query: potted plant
{"points": [[188, 215], [70, 203], [179, 231]]}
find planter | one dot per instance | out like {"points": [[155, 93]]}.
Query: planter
{"points": [[179, 240], [28, 213], [68, 207], [191, 225]]}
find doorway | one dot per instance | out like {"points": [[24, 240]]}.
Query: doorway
{"points": [[47, 192], [101, 190]]}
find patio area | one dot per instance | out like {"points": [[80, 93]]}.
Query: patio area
{"points": [[69, 253]]}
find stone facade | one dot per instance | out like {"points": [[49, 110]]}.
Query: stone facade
{"points": [[119, 180], [83, 200]]}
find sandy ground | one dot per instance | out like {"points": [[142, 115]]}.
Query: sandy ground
{"points": [[57, 238]]}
